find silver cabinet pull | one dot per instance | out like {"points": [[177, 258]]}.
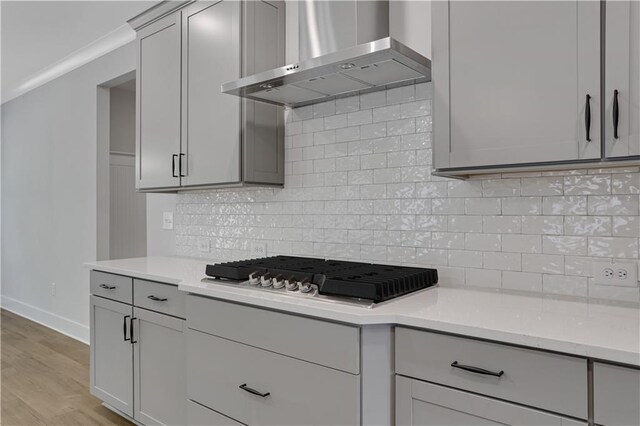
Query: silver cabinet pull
{"points": [[107, 287]]}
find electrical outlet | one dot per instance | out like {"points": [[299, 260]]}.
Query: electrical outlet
{"points": [[53, 289], [258, 250], [204, 245], [167, 220], [616, 274]]}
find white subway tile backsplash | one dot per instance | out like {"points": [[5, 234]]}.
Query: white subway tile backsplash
{"points": [[614, 205], [358, 186], [522, 281]]}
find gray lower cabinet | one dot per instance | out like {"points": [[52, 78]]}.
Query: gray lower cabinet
{"points": [[199, 415], [425, 404], [190, 134], [160, 379], [138, 356], [259, 387], [111, 359], [622, 79], [616, 395]]}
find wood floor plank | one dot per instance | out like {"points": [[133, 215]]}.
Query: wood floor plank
{"points": [[45, 378]]}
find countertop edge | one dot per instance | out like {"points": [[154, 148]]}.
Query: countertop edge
{"points": [[370, 317]]}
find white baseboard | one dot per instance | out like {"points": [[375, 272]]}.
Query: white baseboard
{"points": [[56, 322]]}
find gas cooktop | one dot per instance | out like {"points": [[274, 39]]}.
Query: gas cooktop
{"points": [[333, 279]]}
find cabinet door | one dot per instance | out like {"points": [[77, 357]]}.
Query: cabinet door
{"points": [[616, 395], [111, 353], [158, 104], [211, 57], [622, 74], [511, 80], [160, 369], [424, 404], [263, 47]]}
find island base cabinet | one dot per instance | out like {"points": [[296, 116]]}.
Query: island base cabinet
{"points": [[424, 404], [259, 387], [111, 375], [159, 365]]}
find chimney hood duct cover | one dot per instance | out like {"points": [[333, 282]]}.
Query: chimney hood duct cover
{"points": [[363, 67]]}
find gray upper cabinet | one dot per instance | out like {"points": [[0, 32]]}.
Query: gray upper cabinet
{"points": [[211, 46], [218, 139], [622, 79], [512, 82], [158, 104]]}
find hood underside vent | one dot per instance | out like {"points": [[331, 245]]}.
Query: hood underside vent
{"points": [[367, 67]]}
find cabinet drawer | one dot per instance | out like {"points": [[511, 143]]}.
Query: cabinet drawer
{"points": [[540, 379], [293, 392], [616, 392], [199, 415], [425, 404], [164, 298], [112, 286], [291, 335]]}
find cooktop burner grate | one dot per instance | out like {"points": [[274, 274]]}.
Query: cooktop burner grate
{"points": [[334, 277]]}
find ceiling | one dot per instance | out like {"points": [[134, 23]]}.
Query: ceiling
{"points": [[37, 34]]}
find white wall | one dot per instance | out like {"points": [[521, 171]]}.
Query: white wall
{"points": [[160, 242], [49, 194], [122, 129]]}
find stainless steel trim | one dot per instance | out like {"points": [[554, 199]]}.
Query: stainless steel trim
{"points": [[411, 67]]}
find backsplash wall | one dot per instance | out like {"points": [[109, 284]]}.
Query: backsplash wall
{"points": [[358, 186]]}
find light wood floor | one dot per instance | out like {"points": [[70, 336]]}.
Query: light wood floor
{"points": [[45, 378]]}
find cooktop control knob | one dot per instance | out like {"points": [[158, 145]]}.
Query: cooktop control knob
{"points": [[291, 284], [305, 286], [254, 278], [278, 281], [265, 280]]}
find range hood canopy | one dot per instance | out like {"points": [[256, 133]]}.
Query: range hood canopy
{"points": [[336, 72]]}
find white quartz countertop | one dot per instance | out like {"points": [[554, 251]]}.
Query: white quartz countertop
{"points": [[577, 327]]}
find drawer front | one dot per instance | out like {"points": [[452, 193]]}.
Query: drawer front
{"points": [[294, 392], [616, 395], [198, 415], [164, 298], [291, 335], [548, 381], [115, 287]]}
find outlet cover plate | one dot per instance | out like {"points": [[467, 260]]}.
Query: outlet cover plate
{"points": [[167, 220], [258, 250], [204, 245], [615, 274]]}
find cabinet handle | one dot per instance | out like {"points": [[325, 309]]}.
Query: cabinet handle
{"points": [[476, 370], [616, 114], [246, 388], [156, 298], [587, 117], [107, 287], [180, 166], [173, 165], [124, 328], [131, 330]]}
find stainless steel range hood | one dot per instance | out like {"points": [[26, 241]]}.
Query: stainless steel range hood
{"points": [[337, 70]]}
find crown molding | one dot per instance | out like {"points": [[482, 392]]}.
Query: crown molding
{"points": [[105, 44]]}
